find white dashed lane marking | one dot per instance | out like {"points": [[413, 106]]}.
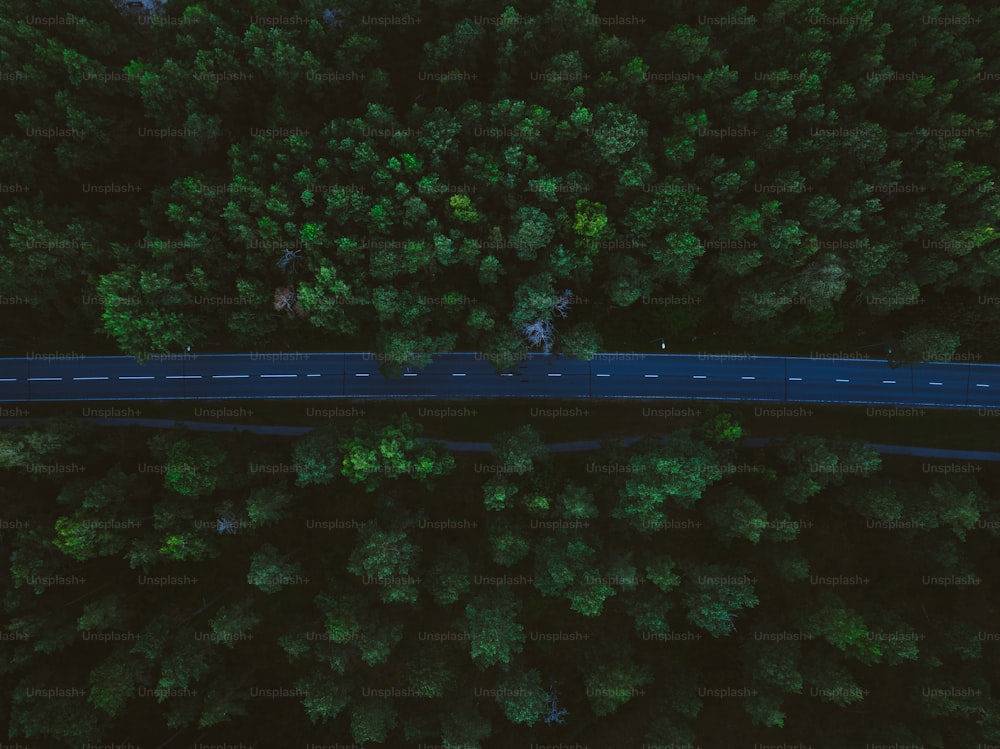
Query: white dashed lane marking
{"points": [[90, 378], [227, 377]]}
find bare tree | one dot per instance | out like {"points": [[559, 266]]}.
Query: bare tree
{"points": [[540, 333], [289, 260], [285, 299], [563, 302]]}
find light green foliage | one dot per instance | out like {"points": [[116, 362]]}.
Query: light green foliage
{"points": [[143, 311], [568, 566], [382, 555], [843, 628], [660, 572], [325, 301], [721, 429], [379, 452], [591, 218], [491, 621], [192, 466], [82, 537], [463, 210], [533, 231], [677, 471]]}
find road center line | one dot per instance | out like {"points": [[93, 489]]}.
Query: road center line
{"points": [[360, 374], [888, 382], [843, 380], [795, 379], [183, 377], [458, 374], [281, 375], [981, 386], [44, 379], [650, 375], [603, 375], [748, 378], [8, 379], [143, 377], [935, 383], [312, 375], [700, 377], [227, 377], [409, 374], [555, 374], [90, 378]]}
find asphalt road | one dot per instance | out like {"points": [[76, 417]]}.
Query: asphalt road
{"points": [[465, 376]]}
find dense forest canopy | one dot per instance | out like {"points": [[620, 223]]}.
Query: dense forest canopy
{"points": [[406, 177], [362, 584], [412, 176]]}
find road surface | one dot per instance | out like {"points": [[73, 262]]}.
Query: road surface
{"points": [[468, 376]]}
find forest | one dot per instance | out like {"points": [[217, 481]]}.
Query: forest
{"points": [[412, 176], [372, 587]]}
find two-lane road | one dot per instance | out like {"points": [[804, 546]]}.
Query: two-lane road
{"points": [[466, 376]]}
